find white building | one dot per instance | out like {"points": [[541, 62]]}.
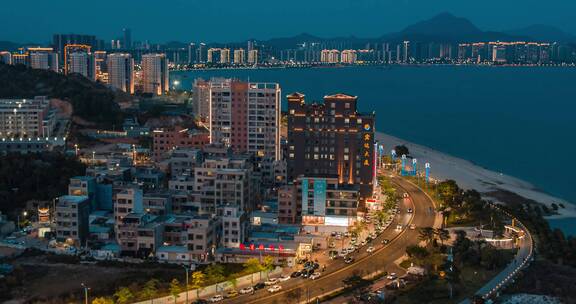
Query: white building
{"points": [[26, 118], [155, 77], [43, 59], [239, 56], [253, 57], [121, 72], [82, 63]]}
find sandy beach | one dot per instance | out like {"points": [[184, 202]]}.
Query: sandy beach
{"points": [[471, 176]]}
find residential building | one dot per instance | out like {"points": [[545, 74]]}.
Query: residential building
{"points": [[5, 57], [239, 56], [288, 212], [43, 59], [26, 118], [82, 63], [253, 57], [72, 219], [246, 116], [120, 69], [166, 140], [201, 98], [155, 77], [60, 41], [128, 200], [331, 138], [235, 225]]}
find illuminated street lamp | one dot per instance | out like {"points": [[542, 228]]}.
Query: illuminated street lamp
{"points": [[76, 149], [86, 288]]}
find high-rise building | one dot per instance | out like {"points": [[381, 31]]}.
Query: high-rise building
{"points": [[348, 56], [100, 58], [330, 56], [59, 41], [192, 56], [5, 57], [331, 138], [127, 39], [225, 56], [22, 59], [43, 59], [253, 57], [82, 63], [201, 99], [121, 72], [239, 56], [201, 53], [155, 77], [246, 116]]}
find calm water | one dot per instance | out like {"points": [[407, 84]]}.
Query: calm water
{"points": [[519, 121]]}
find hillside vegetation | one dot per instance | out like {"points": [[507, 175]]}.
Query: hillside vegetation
{"points": [[92, 101]]}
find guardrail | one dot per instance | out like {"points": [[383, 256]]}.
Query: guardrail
{"points": [[521, 260]]}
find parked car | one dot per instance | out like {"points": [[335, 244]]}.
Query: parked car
{"points": [[216, 298], [307, 273], [284, 278], [409, 210], [314, 276], [370, 249], [385, 241], [200, 301], [259, 286], [271, 281], [231, 294], [398, 227], [247, 290], [274, 288], [296, 274]]}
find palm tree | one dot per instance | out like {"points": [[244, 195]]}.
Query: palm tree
{"points": [[443, 235], [427, 234]]}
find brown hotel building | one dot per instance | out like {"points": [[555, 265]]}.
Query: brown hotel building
{"points": [[331, 138]]}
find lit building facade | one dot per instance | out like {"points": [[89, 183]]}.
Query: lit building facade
{"points": [[121, 72], [331, 139], [155, 77], [26, 118]]}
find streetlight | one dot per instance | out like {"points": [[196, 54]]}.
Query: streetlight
{"points": [[76, 149], [93, 157], [86, 288], [186, 269]]}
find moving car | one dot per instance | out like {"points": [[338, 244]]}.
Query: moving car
{"points": [[314, 276], [216, 298], [385, 241], [274, 288], [370, 249], [246, 290], [392, 276], [412, 226], [348, 260], [409, 210], [271, 281], [398, 227]]}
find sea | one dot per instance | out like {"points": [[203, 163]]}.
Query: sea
{"points": [[520, 121]]}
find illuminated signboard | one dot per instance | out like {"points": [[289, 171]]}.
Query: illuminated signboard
{"points": [[367, 137]]}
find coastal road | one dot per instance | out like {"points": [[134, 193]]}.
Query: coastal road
{"points": [[299, 290]]}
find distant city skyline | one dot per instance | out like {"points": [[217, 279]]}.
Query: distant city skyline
{"points": [[228, 21]]}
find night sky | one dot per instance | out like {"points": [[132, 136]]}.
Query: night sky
{"points": [[226, 20]]}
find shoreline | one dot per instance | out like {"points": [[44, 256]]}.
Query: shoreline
{"points": [[471, 176]]}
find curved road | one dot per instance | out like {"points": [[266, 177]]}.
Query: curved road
{"points": [[299, 289]]}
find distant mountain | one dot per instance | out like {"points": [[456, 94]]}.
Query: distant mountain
{"points": [[9, 46], [543, 32], [446, 27]]}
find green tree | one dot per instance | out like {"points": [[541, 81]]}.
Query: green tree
{"points": [[401, 150], [198, 281], [175, 289], [103, 300], [215, 273], [150, 290], [253, 265], [418, 253], [268, 262], [427, 235], [123, 295], [443, 235]]}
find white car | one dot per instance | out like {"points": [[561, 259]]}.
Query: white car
{"points": [[370, 249], [217, 298], [271, 281], [398, 227], [274, 288], [315, 275], [412, 226], [284, 278], [247, 290], [392, 276]]}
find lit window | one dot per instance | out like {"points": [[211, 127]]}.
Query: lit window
{"points": [[346, 157], [346, 120], [315, 156], [291, 155]]}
